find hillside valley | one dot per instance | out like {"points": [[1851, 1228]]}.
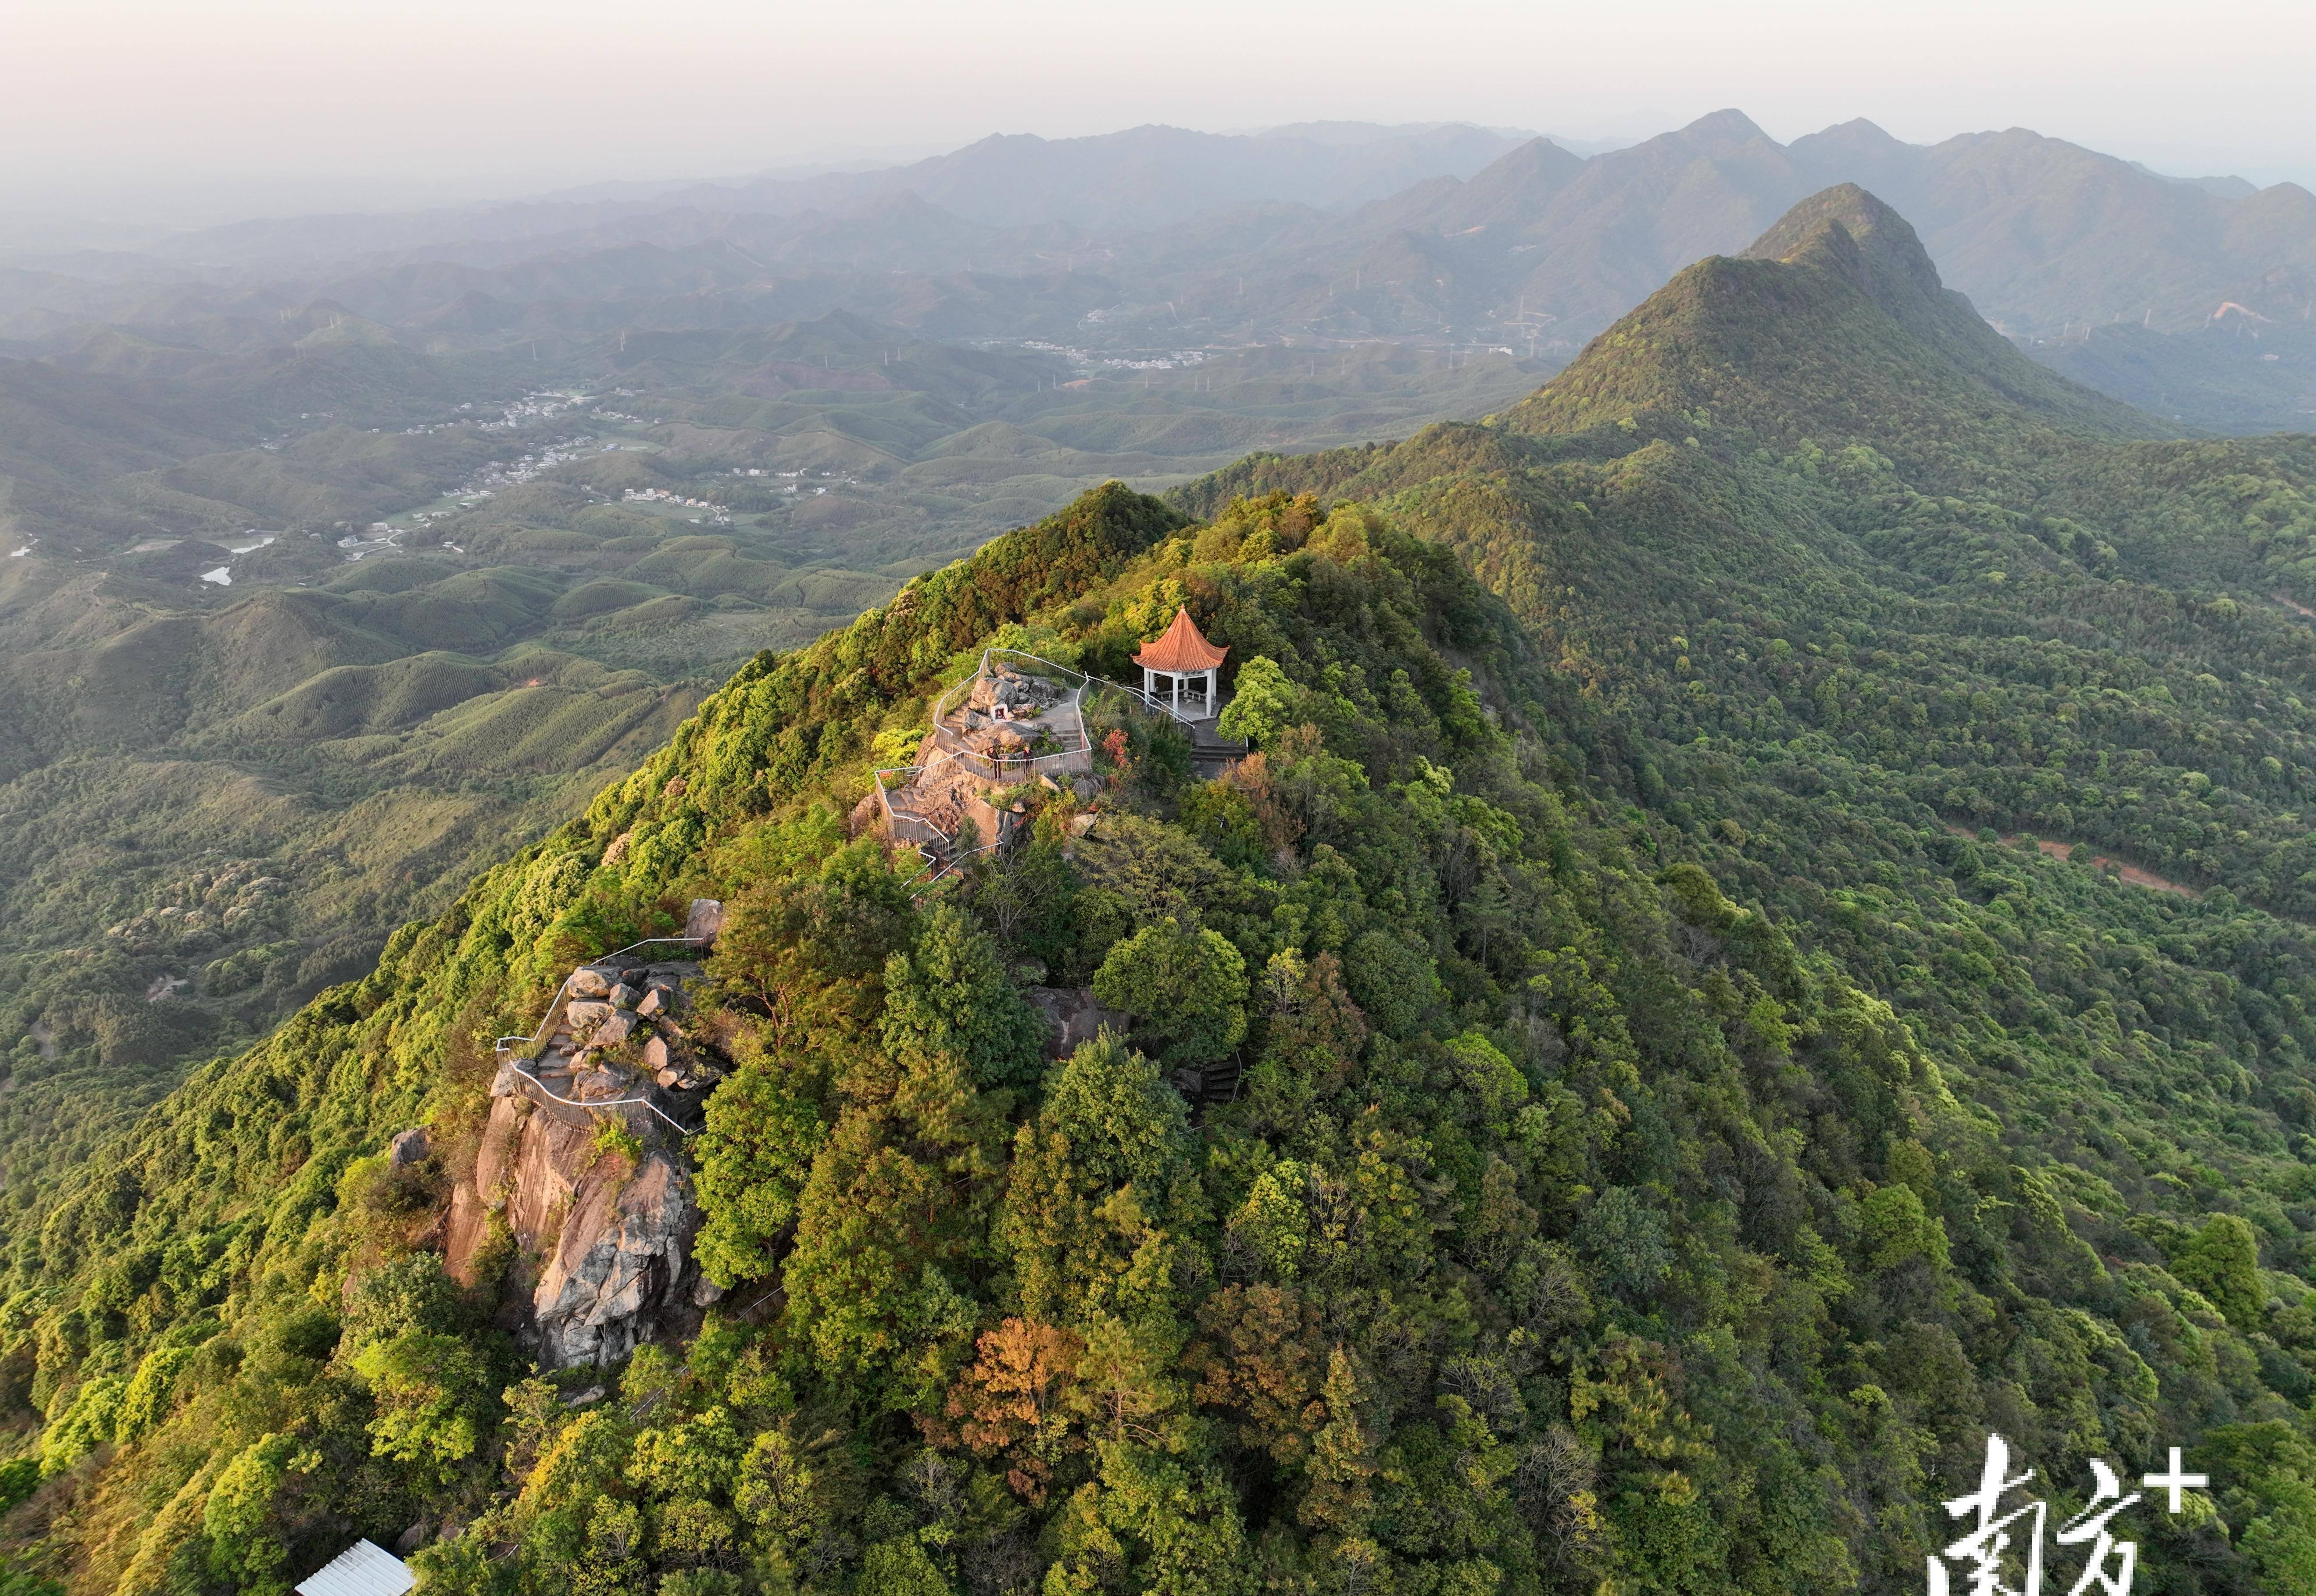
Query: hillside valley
{"points": [[1589, 1098], [315, 519]]}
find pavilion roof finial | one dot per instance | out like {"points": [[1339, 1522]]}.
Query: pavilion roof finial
{"points": [[1183, 648]]}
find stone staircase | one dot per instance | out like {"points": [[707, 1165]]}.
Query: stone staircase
{"points": [[1211, 753], [1216, 1082]]}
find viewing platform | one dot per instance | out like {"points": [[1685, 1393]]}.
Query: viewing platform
{"points": [[1019, 719]]}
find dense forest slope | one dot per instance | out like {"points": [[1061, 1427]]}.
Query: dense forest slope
{"points": [[199, 712], [1667, 1124]]}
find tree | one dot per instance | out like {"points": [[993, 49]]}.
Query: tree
{"points": [[1263, 703], [808, 952], [244, 1548], [1342, 1454], [1185, 990], [1097, 1202], [1261, 1358], [899, 1567], [434, 1395], [753, 1159], [408, 1293], [1166, 1526], [1394, 985], [874, 1227], [1011, 1401], [2282, 1541], [950, 994], [895, 1208], [1898, 1229], [147, 1401], [2222, 1263]]}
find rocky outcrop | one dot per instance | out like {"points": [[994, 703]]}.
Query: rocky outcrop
{"points": [[601, 1227], [1073, 1018], [619, 1041], [1013, 690], [602, 1243], [618, 1265]]}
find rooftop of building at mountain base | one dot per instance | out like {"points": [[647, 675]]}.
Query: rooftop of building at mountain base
{"points": [[363, 1569]]}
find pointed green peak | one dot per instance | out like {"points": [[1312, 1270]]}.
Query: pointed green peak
{"points": [[1833, 324], [1847, 232]]}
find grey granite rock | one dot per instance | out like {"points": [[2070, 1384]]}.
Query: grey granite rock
{"points": [[618, 1262]]}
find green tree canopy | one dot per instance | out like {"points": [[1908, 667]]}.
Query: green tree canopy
{"points": [[1185, 989]]}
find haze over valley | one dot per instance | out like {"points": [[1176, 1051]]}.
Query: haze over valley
{"points": [[443, 516], [624, 970]]}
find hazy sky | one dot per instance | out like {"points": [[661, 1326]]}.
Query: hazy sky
{"points": [[165, 107]]}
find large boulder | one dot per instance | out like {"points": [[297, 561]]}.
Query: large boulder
{"points": [[1020, 695], [617, 1265], [584, 1018], [1073, 1018]]}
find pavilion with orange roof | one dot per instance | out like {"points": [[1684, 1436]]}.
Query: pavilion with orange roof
{"points": [[1185, 659]]}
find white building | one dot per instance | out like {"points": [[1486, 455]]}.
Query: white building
{"points": [[363, 1569]]}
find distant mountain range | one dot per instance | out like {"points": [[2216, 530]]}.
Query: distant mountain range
{"points": [[1765, 935], [1141, 178], [1159, 238]]}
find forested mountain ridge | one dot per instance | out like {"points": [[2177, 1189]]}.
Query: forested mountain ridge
{"points": [[2082, 603], [1833, 319], [222, 679], [1673, 1127]]}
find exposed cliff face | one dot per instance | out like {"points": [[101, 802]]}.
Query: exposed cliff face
{"points": [[601, 1227], [618, 1266], [603, 1241]]}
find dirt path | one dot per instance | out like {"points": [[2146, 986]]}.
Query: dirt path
{"points": [[2126, 870]]}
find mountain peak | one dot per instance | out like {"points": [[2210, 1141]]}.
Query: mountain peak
{"points": [[1845, 230], [1722, 129], [1833, 324]]}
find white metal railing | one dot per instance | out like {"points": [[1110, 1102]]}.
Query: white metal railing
{"points": [[940, 868], [1151, 701], [908, 825], [1012, 769], [600, 1102], [538, 1038]]}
